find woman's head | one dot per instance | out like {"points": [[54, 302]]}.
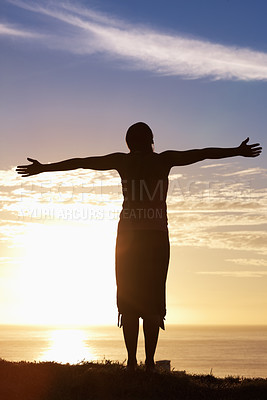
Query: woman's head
{"points": [[139, 137]]}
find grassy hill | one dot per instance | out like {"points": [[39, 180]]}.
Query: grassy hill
{"points": [[106, 381]]}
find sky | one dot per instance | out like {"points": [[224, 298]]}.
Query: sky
{"points": [[74, 76]]}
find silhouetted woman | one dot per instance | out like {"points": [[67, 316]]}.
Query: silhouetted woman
{"points": [[142, 248]]}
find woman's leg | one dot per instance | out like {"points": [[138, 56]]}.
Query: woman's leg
{"points": [[130, 326], [151, 332]]}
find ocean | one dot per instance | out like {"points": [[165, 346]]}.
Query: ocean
{"points": [[220, 350]]}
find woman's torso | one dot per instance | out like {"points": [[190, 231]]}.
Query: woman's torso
{"points": [[144, 180]]}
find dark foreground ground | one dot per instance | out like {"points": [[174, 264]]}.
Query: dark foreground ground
{"points": [[106, 381]]}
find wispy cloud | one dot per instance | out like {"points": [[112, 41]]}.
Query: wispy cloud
{"points": [[236, 274], [8, 30], [214, 211], [145, 48], [248, 172], [240, 240], [228, 215], [257, 262], [6, 260], [212, 165]]}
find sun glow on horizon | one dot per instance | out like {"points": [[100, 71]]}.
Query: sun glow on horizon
{"points": [[66, 275]]}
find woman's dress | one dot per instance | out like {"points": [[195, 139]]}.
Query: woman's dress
{"points": [[142, 247]]}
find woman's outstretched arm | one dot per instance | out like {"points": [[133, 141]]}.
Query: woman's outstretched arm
{"points": [[176, 158], [110, 161]]}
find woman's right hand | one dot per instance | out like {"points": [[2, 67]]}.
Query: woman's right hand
{"points": [[31, 169]]}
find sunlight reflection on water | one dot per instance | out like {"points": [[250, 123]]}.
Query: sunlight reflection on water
{"points": [[237, 351], [68, 346]]}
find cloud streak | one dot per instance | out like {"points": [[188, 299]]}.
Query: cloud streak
{"points": [[248, 172], [257, 262], [8, 30], [236, 274], [85, 31]]}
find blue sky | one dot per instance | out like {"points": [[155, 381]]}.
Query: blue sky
{"points": [[54, 71], [75, 75]]}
